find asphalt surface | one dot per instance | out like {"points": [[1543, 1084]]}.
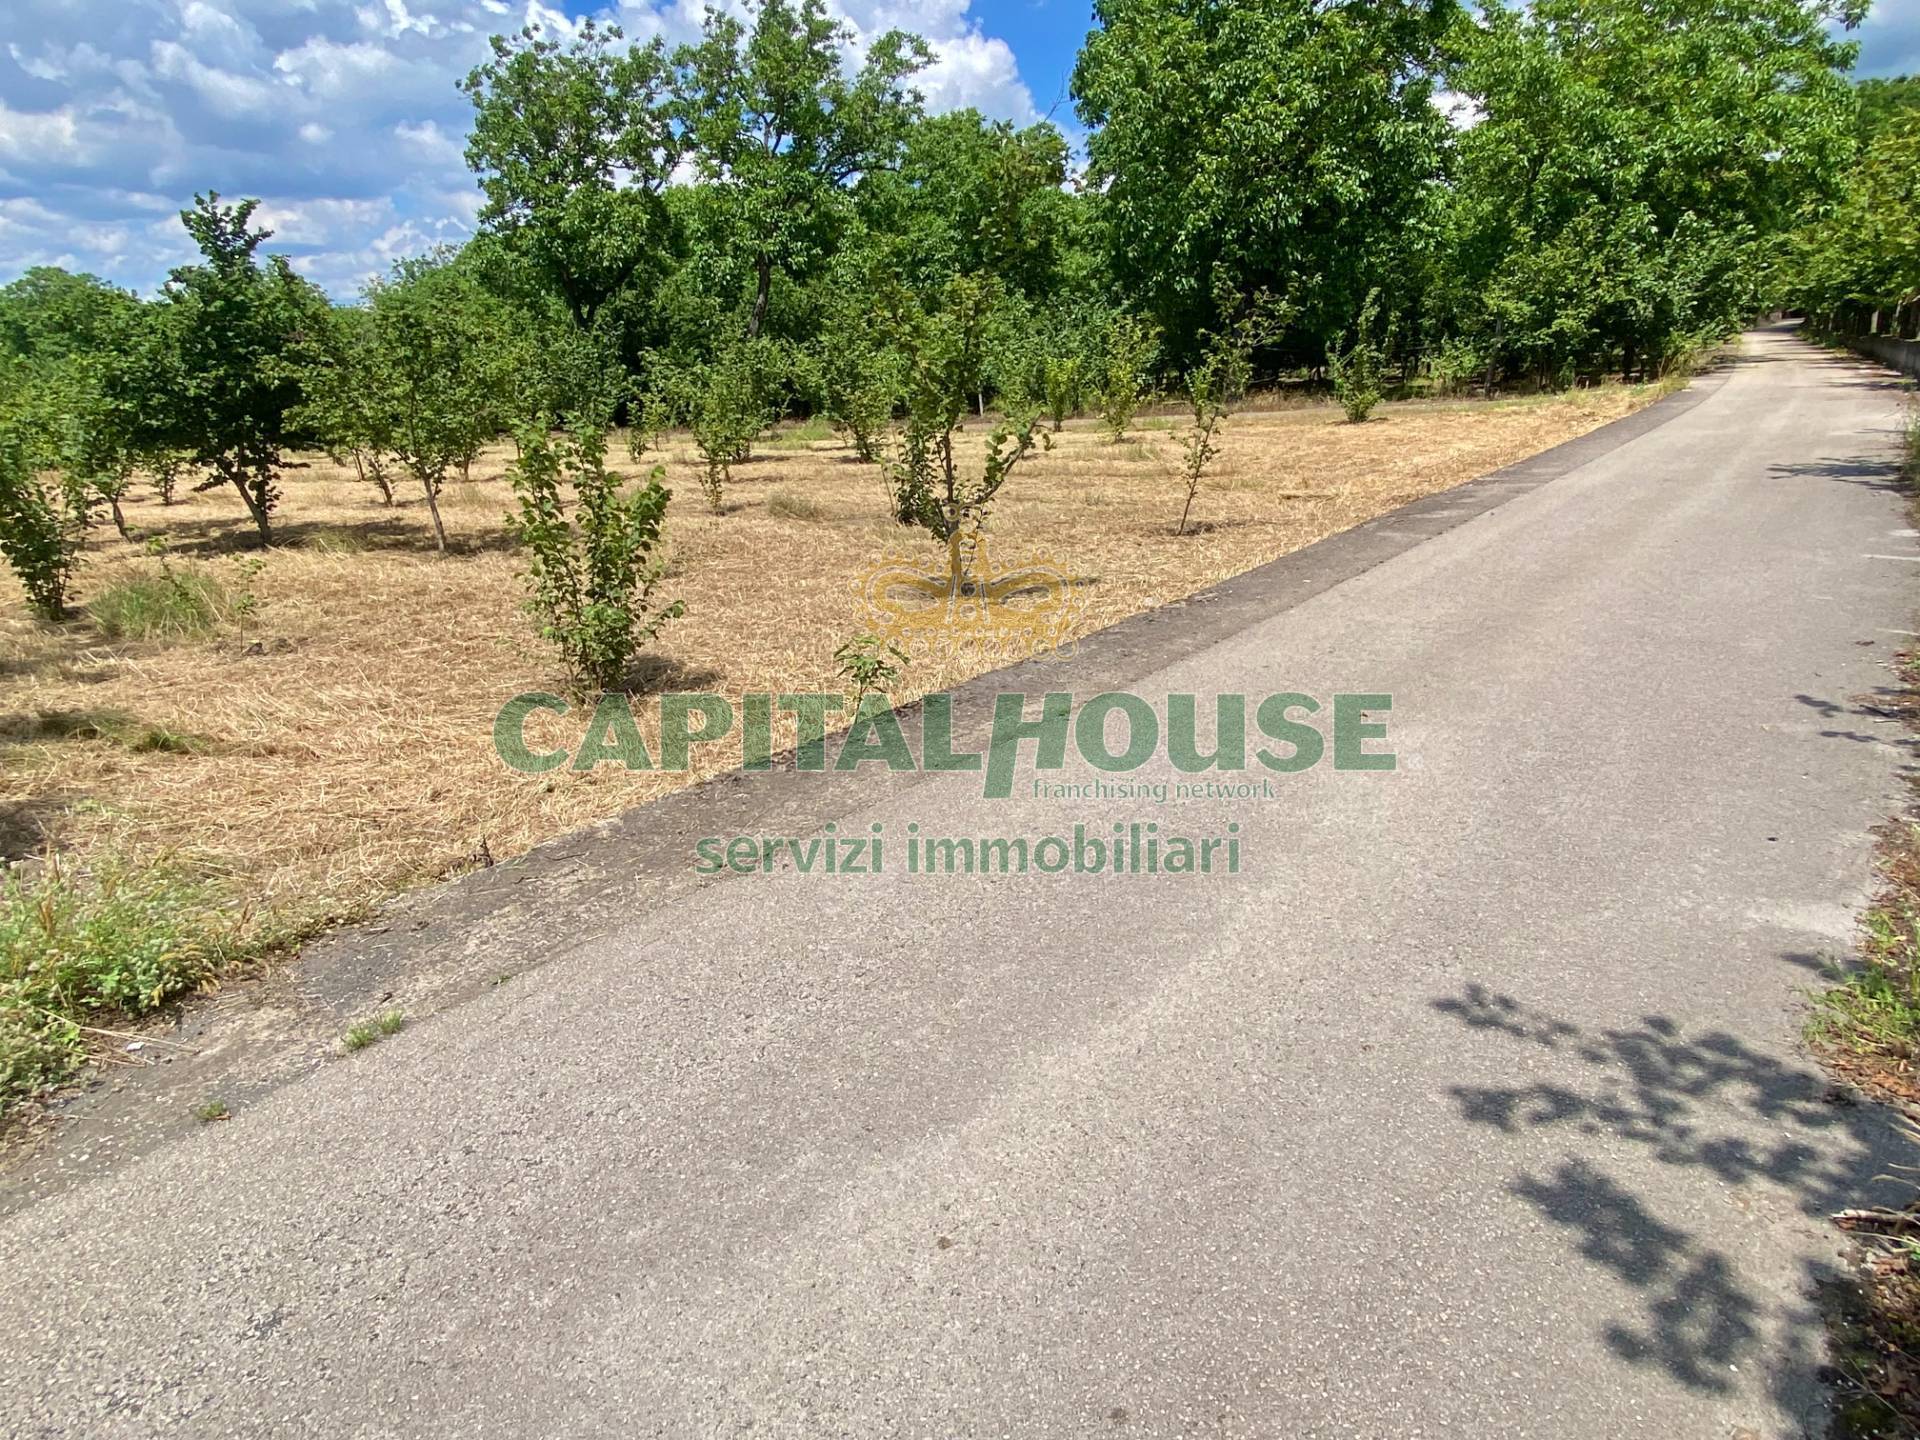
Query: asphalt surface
{"points": [[1473, 1105]]}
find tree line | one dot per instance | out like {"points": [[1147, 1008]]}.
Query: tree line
{"points": [[764, 223]]}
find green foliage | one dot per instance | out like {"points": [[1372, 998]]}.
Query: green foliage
{"points": [[944, 351], [591, 576], [980, 197], [726, 404], [1277, 145], [859, 373], [780, 133], [550, 368], [1454, 363], [869, 664], [1863, 255], [48, 316], [238, 333], [1127, 354], [1887, 103], [574, 144], [123, 940], [41, 528], [346, 401], [1356, 369], [434, 371], [1060, 378], [1220, 379], [166, 467], [1634, 167]]}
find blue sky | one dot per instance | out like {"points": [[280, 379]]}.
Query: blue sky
{"points": [[341, 115]]}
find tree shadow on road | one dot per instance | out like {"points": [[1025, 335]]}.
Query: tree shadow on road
{"points": [[1707, 1102], [1876, 472], [1884, 705]]}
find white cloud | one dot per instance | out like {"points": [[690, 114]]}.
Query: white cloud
{"points": [[979, 71], [52, 135], [229, 95], [333, 72], [428, 141]]}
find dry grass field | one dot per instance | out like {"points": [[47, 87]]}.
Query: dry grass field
{"points": [[332, 743]]}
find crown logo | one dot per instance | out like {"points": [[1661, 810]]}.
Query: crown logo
{"points": [[1029, 608]]}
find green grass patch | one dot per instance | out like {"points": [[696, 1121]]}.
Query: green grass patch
{"points": [[176, 604], [80, 951], [798, 437], [371, 1032], [792, 505], [335, 542], [1873, 1013]]}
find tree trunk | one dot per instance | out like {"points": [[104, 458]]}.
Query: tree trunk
{"points": [[433, 509], [119, 520], [763, 271], [255, 509]]}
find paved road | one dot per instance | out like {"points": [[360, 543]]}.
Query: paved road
{"points": [[1472, 1106]]}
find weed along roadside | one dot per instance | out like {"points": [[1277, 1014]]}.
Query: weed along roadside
{"points": [[1865, 1025]]}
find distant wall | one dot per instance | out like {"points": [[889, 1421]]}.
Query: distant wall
{"points": [[1902, 355]]}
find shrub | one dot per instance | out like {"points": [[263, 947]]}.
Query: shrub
{"points": [[859, 387], [591, 577], [1454, 364], [943, 352], [166, 468], [727, 405], [1061, 376], [123, 940], [1356, 369], [41, 527], [1123, 377], [870, 665], [434, 367], [236, 332]]}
